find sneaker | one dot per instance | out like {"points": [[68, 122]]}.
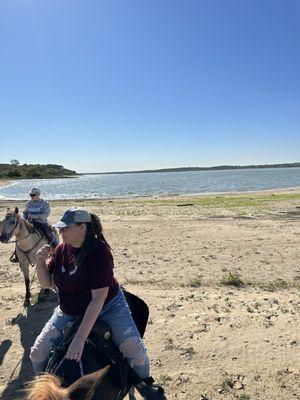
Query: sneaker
{"points": [[150, 391]]}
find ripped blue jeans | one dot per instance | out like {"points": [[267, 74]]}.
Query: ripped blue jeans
{"points": [[116, 314]]}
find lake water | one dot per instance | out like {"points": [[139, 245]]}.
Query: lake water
{"points": [[155, 184]]}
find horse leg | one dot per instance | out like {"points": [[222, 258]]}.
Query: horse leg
{"points": [[24, 265]]}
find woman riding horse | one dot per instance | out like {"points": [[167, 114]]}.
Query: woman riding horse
{"points": [[82, 270]]}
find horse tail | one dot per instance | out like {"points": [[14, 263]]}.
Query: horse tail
{"points": [[45, 387]]}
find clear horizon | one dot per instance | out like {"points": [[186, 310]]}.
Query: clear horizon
{"points": [[155, 169], [114, 86]]}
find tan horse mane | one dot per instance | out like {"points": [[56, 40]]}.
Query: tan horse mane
{"points": [[28, 225], [46, 387]]}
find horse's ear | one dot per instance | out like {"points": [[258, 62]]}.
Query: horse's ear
{"points": [[85, 387], [16, 210]]}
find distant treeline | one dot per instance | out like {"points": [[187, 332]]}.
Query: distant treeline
{"points": [[217, 168], [15, 170]]}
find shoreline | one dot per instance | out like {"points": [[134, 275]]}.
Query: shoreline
{"points": [[277, 191]]}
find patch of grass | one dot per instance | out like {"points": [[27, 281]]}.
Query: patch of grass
{"points": [[232, 279], [228, 301], [215, 308], [227, 384], [196, 282], [296, 283], [278, 284], [257, 305], [204, 396], [170, 344], [189, 351], [143, 282], [225, 201]]}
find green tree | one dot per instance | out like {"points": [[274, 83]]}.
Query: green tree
{"points": [[15, 162]]}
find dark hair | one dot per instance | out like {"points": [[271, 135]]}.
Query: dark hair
{"points": [[93, 235]]}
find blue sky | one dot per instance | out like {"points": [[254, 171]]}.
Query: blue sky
{"points": [[108, 85]]}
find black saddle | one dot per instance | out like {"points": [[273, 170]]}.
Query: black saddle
{"points": [[99, 351]]}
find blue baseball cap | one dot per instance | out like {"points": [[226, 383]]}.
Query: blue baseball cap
{"points": [[72, 216]]}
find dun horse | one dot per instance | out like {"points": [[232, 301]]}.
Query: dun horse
{"points": [[28, 240]]}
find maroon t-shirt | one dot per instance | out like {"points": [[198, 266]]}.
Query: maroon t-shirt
{"points": [[75, 284]]}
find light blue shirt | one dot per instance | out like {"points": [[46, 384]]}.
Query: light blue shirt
{"points": [[37, 210]]}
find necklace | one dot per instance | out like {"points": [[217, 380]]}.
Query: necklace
{"points": [[72, 271]]}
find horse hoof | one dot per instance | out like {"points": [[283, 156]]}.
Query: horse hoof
{"points": [[26, 303]]}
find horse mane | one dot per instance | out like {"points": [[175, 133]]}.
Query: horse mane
{"points": [[21, 219], [28, 225], [46, 387]]}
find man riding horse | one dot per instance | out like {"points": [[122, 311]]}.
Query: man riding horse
{"points": [[27, 241], [37, 211]]}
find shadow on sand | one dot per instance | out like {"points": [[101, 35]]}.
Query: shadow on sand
{"points": [[4, 347], [30, 324]]}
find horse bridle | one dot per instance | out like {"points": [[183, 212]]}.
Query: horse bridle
{"points": [[27, 252], [11, 232]]}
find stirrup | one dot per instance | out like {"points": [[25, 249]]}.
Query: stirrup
{"points": [[14, 258]]}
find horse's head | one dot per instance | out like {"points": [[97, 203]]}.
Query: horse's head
{"points": [[88, 387], [10, 225]]}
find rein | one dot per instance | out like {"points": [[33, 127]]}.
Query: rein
{"points": [[19, 240], [16, 224], [25, 237], [27, 252]]}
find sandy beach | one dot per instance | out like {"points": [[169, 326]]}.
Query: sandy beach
{"points": [[207, 339], [3, 182]]}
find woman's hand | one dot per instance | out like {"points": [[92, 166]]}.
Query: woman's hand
{"points": [[43, 253], [91, 314], [75, 349]]}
